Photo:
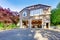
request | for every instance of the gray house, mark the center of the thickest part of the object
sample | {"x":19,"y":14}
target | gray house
{"x":35,"y":16}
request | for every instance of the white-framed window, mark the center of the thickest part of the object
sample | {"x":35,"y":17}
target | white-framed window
{"x":24,"y":14}
{"x":36,"y":12}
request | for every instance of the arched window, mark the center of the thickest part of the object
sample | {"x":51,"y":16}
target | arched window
{"x":24,"y":14}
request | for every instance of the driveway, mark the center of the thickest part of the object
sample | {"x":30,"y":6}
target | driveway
{"x":30,"y":34}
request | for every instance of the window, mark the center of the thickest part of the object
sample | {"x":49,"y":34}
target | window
{"x":36,"y":12}
{"x":24,"y":14}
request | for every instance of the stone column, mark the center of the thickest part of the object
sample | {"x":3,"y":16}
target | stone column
{"x":29,"y":19}
{"x":49,"y":22}
{"x":21,"y":20}
{"x":42,"y":22}
{"x":30,"y":25}
{"x":49,"y":25}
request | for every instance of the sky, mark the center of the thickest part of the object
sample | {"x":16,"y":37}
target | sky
{"x":18,"y":5}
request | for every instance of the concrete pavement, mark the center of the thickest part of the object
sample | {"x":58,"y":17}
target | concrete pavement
{"x":30,"y":34}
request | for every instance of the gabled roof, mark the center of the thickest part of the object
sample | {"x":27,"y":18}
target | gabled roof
{"x":36,"y":7}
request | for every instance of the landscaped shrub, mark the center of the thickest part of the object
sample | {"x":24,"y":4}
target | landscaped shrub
{"x":11,"y":26}
{"x":1,"y":25}
{"x":4,"y":26}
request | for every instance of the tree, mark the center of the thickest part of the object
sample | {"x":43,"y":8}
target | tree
{"x":58,"y":6}
{"x":55,"y":16}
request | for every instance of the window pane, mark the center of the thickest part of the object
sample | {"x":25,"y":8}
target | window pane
{"x":36,"y":12}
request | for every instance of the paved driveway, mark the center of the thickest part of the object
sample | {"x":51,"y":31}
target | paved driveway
{"x":30,"y":34}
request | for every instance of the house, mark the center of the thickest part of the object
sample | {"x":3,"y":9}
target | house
{"x":35,"y":16}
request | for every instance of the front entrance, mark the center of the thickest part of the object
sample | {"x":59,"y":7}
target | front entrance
{"x":36,"y":23}
{"x":47,"y":25}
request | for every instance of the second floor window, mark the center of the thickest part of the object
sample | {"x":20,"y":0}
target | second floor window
{"x":36,"y":12}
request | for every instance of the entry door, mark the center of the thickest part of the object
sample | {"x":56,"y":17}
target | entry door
{"x":47,"y":25}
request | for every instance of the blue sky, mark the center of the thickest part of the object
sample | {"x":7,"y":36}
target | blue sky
{"x":17,"y":5}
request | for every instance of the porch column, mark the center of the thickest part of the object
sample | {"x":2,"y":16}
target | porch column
{"x":49,"y":22}
{"x":42,"y":23}
{"x":21,"y":20}
{"x":21,"y":23}
{"x":49,"y":25}
{"x":30,"y":25}
{"x":29,"y":19}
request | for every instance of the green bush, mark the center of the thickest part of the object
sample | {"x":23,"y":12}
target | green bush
{"x":1,"y":25}
{"x":11,"y":26}
{"x":4,"y":26}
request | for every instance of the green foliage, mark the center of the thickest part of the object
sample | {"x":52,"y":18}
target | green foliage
{"x":55,"y":15}
{"x":4,"y":26}
{"x":58,"y":6}
{"x":11,"y":26}
{"x":1,"y":25}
